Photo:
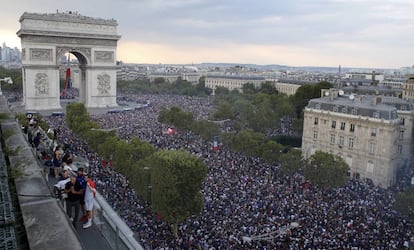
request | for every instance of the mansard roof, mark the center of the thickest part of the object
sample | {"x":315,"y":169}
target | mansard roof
{"x":365,"y":106}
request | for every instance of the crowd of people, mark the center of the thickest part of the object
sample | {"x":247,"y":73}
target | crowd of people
{"x":243,"y":196}
{"x":70,"y":93}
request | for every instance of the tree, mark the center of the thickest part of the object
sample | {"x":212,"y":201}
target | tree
{"x":404,"y":203}
{"x":305,"y":93}
{"x":126,"y":154}
{"x":221,"y":91}
{"x":159,"y":80}
{"x":268,"y":88}
{"x":249,"y":142}
{"x":271,"y":151}
{"x":95,"y":138}
{"x":206,"y":129}
{"x":249,"y":89}
{"x":176,"y":179}
{"x":326,"y":170}
{"x":223,"y":112}
{"x":107,"y":149}
{"x":264,"y":116}
{"x":291,"y":162}
{"x":76,"y":115}
{"x":175,"y":116}
{"x":16,"y":76}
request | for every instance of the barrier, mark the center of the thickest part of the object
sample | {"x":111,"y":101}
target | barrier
{"x":112,"y":227}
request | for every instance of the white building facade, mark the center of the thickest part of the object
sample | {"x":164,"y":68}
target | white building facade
{"x":373,"y":134}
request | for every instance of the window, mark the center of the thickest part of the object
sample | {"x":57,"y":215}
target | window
{"x":316,"y":121}
{"x":354,"y":111}
{"x":333,"y":138}
{"x":344,"y":110}
{"x":372,"y":147}
{"x":400,"y":149}
{"x":352,"y":128}
{"x":401,"y":134}
{"x":318,"y":106}
{"x":342,"y":125}
{"x":351,"y":142}
{"x":341,"y":140}
{"x":370,"y":167}
{"x":376,"y":115}
{"x":403,"y":121}
{"x":374,"y":132}
{"x":335,"y":109}
{"x":333,"y":124}
{"x":315,"y":135}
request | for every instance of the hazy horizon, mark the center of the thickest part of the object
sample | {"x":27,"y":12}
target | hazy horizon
{"x":326,"y":33}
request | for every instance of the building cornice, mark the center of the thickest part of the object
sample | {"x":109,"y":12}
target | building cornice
{"x":67,"y":17}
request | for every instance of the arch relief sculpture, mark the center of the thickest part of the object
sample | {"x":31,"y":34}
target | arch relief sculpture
{"x":104,"y":85}
{"x":41,"y":84}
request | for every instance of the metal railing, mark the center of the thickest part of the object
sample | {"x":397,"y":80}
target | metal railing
{"x":112,"y":227}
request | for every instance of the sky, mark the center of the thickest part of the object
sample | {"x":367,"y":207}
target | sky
{"x":350,"y":33}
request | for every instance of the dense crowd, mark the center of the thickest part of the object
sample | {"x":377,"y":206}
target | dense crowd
{"x":70,"y":93}
{"x":243,"y":196}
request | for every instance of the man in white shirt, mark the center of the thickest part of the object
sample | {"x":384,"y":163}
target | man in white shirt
{"x":90,"y":193}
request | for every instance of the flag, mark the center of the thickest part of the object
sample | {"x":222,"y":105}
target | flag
{"x":67,"y":79}
{"x":215,"y":144}
{"x":170,"y":131}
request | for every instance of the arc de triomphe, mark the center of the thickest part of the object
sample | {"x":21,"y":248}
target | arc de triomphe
{"x":47,"y":37}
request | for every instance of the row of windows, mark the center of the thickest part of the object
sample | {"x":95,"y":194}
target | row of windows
{"x":354,"y":111}
{"x":333,"y":125}
{"x":351,"y":142}
{"x":352,"y":127}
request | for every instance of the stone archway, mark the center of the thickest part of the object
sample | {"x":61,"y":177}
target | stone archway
{"x":46,"y":37}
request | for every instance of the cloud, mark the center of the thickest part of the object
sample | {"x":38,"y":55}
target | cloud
{"x":325,"y":30}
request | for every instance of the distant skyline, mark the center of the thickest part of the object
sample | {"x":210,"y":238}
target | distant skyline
{"x":351,"y":33}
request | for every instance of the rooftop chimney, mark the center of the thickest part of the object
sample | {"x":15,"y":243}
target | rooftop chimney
{"x":376,"y":100}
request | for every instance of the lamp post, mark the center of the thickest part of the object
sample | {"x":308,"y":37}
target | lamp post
{"x":7,"y":80}
{"x":149,"y":187}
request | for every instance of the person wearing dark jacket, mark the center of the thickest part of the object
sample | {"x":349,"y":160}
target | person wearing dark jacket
{"x":74,"y":190}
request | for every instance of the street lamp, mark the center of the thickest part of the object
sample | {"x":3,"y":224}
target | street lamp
{"x":149,"y":186}
{"x":7,"y":80}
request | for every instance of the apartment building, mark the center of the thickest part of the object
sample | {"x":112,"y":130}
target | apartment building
{"x":408,"y":89}
{"x":372,"y":133}
{"x":232,"y":82}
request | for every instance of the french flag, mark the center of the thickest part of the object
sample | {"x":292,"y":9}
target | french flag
{"x":215,"y":143}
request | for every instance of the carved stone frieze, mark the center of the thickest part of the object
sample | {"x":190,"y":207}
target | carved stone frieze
{"x":41,"y":54}
{"x":41,"y":84}
{"x":104,"y":56}
{"x":68,"y":40}
{"x":104,"y":84}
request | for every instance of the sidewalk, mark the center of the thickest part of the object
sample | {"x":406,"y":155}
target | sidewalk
{"x":91,"y":238}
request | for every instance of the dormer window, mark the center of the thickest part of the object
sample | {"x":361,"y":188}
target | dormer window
{"x":354,"y":111}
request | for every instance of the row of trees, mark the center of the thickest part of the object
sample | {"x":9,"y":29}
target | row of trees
{"x":323,"y":169}
{"x":170,"y":180}
{"x":161,"y":86}
{"x":262,"y":109}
